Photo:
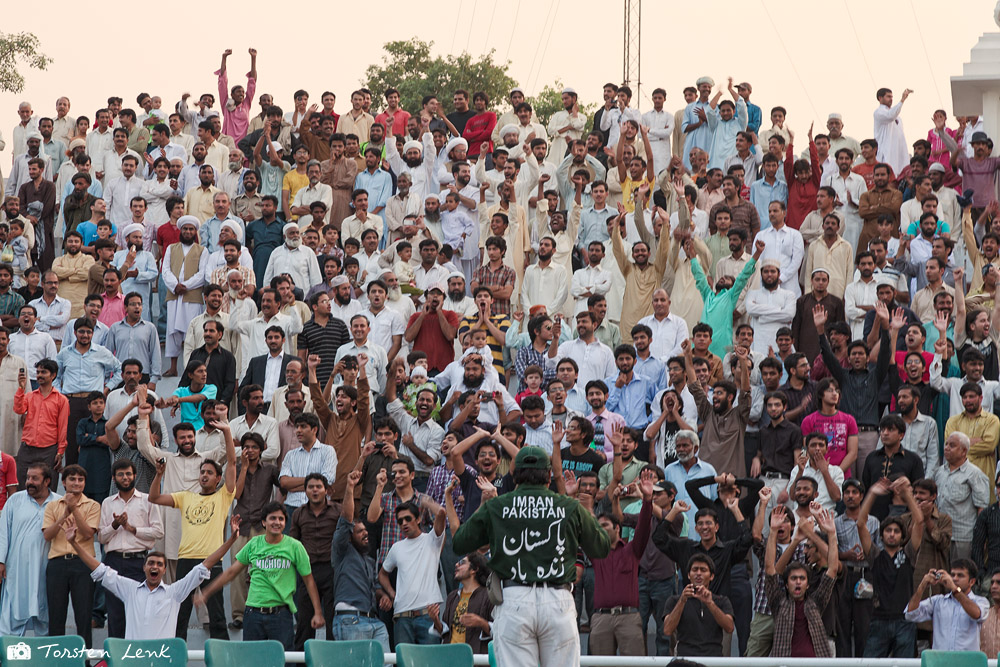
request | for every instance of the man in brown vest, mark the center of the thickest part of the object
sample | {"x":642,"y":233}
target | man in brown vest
{"x":184,"y":276}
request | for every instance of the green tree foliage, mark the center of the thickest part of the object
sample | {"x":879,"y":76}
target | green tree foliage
{"x":409,"y":67}
{"x":16,"y":48}
{"x":549,"y":100}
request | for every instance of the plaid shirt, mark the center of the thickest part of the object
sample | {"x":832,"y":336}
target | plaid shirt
{"x":784,"y":617}
{"x":12,"y":302}
{"x":760,"y":603}
{"x":528,"y":356}
{"x":391,"y":532}
{"x":438,"y":482}
{"x":500,"y":278}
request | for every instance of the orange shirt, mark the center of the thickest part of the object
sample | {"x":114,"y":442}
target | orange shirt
{"x":46,"y":418}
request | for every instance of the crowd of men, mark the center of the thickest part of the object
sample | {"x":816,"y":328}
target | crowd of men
{"x":459,"y":377}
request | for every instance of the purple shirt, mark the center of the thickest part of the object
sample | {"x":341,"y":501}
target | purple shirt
{"x":837,"y":428}
{"x":235,"y":122}
{"x":978,"y":175}
{"x":616,"y":577}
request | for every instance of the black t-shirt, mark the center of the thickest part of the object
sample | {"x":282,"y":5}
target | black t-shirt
{"x":892,"y":579}
{"x":460,"y":118}
{"x":590,"y":460}
{"x":698,"y":634}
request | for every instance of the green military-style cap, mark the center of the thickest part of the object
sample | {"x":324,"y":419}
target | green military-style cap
{"x":532,"y":458}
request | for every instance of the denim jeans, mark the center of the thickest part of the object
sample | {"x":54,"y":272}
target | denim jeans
{"x":652,"y":596}
{"x":415,"y":630}
{"x":278,"y":626}
{"x":895,"y":638}
{"x":583,"y":595}
{"x":348,"y":627}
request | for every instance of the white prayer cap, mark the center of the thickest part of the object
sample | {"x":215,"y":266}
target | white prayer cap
{"x":454,"y":143}
{"x":886,"y":279}
{"x":507,"y":129}
{"x":189,"y":220}
{"x":34,"y":134}
{"x":289,"y":226}
{"x":234,"y":228}
{"x":771,"y":262}
{"x":820,"y":269}
{"x":516,"y":90}
{"x":134,"y":227}
{"x":412,"y":145}
{"x":456,"y":274}
{"x":705,"y":79}
{"x":340,"y":280}
{"x":568,"y":91}
{"x":937,"y":166}
{"x":835,"y":116}
{"x":210,"y":113}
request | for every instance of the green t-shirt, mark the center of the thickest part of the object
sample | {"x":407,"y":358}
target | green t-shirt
{"x":272,"y":570}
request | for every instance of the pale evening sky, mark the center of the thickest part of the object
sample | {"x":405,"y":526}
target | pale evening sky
{"x":818,"y":64}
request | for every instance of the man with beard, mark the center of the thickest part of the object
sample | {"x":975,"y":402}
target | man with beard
{"x":291,"y":258}
{"x":73,"y":270}
{"x":921,"y":430}
{"x":394,"y":298}
{"x":41,"y":192}
{"x":642,"y":278}
{"x":545,"y":283}
{"x":401,"y":210}
{"x":849,"y":187}
{"x":417,"y":161}
{"x":803,"y":330}
{"x":246,"y":205}
{"x":770,"y":307}
{"x":342,"y":306}
{"x":457,"y":299}
{"x":881,"y":199}
{"x":23,"y":554}
{"x":124,"y":516}
{"x":137,"y":266}
{"x":725,"y":418}
{"x":183,"y":275}
{"x":295,"y":375}
{"x":294,"y":405}
{"x":576,"y":160}
{"x":182,"y":470}
{"x":232,"y":255}
{"x":489,"y":392}
{"x":339,"y":172}
{"x":125,"y":397}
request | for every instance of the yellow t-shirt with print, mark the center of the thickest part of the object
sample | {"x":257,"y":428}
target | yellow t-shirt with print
{"x":203,"y":521}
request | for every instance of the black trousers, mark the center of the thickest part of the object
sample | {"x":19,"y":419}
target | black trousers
{"x":322,"y":573}
{"x":65,"y":577}
{"x":78,"y":411}
{"x":130,"y":568}
{"x":28,"y":455}
{"x":855,"y":618}
{"x":216,"y":603}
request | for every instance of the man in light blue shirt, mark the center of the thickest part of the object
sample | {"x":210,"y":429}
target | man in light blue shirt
{"x":697,"y":132}
{"x":375,"y":180}
{"x":767,"y":189}
{"x":956,"y":614}
{"x":311,"y":456}
{"x":726,"y":120}
{"x":85,"y":367}
{"x":137,"y":267}
{"x":210,"y":229}
{"x":629,"y":393}
{"x":136,"y":338}
{"x":594,"y":219}
{"x":689,"y":466}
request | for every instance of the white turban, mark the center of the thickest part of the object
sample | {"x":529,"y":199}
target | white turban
{"x":234,"y":228}
{"x":507,"y":129}
{"x":412,"y":145}
{"x":289,"y":227}
{"x":189,"y":220}
{"x":705,"y":79}
{"x":454,"y":143}
{"x":134,"y":227}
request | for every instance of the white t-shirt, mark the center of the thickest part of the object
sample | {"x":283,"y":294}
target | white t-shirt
{"x":417,"y":560}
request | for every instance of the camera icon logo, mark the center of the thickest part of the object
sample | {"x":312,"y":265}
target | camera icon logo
{"x":19,"y":651}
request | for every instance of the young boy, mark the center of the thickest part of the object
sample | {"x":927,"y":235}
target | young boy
{"x":532,"y":382}
{"x":31,"y":289}
{"x":91,"y":232}
{"x":461,"y":233}
{"x":19,"y":246}
{"x":95,"y":456}
{"x":402,"y":268}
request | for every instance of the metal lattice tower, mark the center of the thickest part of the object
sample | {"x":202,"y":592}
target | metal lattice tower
{"x":631,"y":63}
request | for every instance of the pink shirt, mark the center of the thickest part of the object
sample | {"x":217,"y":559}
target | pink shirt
{"x":235,"y":122}
{"x":399,"y":121}
{"x":113,"y":309}
{"x":838,"y":428}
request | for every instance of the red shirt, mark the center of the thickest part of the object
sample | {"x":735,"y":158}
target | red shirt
{"x":616,"y":577}
{"x":430,"y":339}
{"x":801,"y":196}
{"x":399,"y":121}
{"x":166,"y":235}
{"x":46,"y":418}
{"x":8,"y":475}
{"x":478,"y":129}
{"x":334,"y":115}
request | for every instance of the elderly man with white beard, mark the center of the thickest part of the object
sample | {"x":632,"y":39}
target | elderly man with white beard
{"x":137,"y":266}
{"x":292,"y":258}
{"x":417,"y":161}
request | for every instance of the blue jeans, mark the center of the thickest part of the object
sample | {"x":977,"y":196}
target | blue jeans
{"x":652,"y":597}
{"x":895,"y":638}
{"x":258,"y":626}
{"x":415,"y":630}
{"x":348,"y":627}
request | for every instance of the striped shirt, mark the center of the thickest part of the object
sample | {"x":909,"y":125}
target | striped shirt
{"x":501,"y":322}
{"x":324,"y":341}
